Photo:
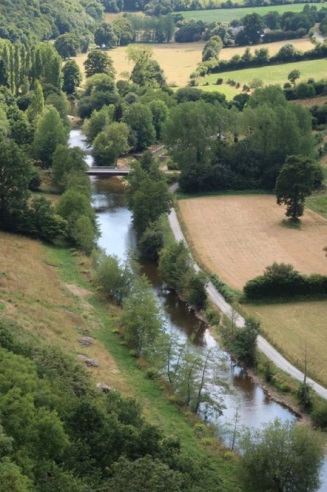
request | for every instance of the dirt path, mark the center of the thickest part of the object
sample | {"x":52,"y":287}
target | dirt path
{"x":239,"y":321}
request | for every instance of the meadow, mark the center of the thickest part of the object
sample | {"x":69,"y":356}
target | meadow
{"x":227,"y":15}
{"x":273,"y":74}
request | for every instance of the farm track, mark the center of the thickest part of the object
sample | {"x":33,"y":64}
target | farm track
{"x":265,"y":347}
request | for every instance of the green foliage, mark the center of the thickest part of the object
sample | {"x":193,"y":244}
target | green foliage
{"x":144,"y":474}
{"x":114,"y":277}
{"x":75,"y":207}
{"x":176,"y":269}
{"x":295,"y":182}
{"x":142,"y":132}
{"x":72,"y":77}
{"x":97,"y":122}
{"x":142,"y":319}
{"x":227,"y":292}
{"x":148,"y":196}
{"x":49,"y":133}
{"x":15,"y":179}
{"x":281,"y":280}
{"x":281,"y":456}
{"x":212,"y":48}
{"x":105,"y":36}
{"x":151,"y":242}
{"x":98,"y":62}
{"x":319,"y":416}
{"x":110,"y":143}
{"x":66,"y":160}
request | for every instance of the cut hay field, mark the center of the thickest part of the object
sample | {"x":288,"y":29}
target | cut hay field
{"x":237,"y":236}
{"x":303,"y":44}
{"x":274,"y":74}
{"x":227,"y":15}
{"x":179,"y":60}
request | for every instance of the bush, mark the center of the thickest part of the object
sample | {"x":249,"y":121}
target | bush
{"x":319,"y":416}
{"x":219,"y":81}
{"x":281,"y":280}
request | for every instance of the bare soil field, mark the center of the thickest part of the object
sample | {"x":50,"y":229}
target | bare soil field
{"x":238,"y":236}
{"x":294,"y":328}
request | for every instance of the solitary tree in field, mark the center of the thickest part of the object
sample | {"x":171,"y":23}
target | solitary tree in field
{"x":295,"y":182}
{"x":293,"y":75}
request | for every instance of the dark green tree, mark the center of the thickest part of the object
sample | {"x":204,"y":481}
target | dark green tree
{"x":67,"y":45}
{"x":295,"y":182}
{"x":105,"y":36}
{"x":72,"y":77}
{"x":14,"y":181}
{"x":49,"y":132}
{"x":142,"y":132}
{"x":98,"y":62}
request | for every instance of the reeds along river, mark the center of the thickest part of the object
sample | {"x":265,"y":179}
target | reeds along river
{"x":117,"y":237}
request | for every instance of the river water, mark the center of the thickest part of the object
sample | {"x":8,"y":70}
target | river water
{"x":117,"y":237}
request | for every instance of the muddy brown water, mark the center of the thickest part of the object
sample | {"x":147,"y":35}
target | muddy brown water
{"x":255,"y":408}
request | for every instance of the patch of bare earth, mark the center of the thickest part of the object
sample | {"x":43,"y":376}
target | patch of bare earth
{"x":238,"y":236}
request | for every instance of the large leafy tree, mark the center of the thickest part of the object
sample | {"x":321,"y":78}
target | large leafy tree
{"x":98,"y":62}
{"x":105,"y":36}
{"x":295,"y":182}
{"x":49,"y":133}
{"x":281,"y":457}
{"x":72,"y":77}
{"x":142,"y":132}
{"x":110,"y":144}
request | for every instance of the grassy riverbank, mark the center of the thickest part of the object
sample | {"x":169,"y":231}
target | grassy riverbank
{"x":48,"y":291}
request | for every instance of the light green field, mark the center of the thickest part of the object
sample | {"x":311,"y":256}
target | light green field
{"x":227,"y":15}
{"x":275,"y":74}
{"x":228,"y":90}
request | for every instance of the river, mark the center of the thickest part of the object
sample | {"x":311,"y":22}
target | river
{"x":117,"y":237}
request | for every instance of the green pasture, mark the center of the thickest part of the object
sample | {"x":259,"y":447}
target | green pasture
{"x":274,"y":74}
{"x":227,"y":15}
{"x":228,"y":90}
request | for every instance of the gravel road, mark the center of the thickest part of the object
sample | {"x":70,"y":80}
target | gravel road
{"x":239,"y":321}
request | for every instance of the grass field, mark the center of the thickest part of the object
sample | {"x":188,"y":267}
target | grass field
{"x":275,"y":74}
{"x":237,"y":236}
{"x":295,"y":327}
{"x":227,"y":15}
{"x":225,"y":89}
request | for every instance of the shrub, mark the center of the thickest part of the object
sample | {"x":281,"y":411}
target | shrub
{"x":281,"y":280}
{"x":319,"y":416}
{"x":219,"y":81}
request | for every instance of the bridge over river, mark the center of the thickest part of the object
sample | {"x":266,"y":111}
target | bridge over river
{"x":108,"y":171}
